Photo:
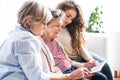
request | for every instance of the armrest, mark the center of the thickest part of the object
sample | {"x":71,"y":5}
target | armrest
{"x":96,"y":42}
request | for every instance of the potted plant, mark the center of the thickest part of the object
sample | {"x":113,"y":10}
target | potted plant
{"x":95,"y":39}
{"x":95,"y":23}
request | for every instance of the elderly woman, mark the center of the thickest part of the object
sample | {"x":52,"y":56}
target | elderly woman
{"x":62,"y":61}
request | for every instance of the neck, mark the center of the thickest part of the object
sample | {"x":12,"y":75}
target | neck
{"x":46,"y":37}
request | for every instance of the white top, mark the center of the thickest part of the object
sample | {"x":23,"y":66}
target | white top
{"x":64,"y":39}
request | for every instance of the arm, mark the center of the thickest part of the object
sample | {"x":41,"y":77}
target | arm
{"x":85,"y":55}
{"x":90,"y":61}
{"x":78,"y":64}
{"x":83,"y":73}
{"x":27,"y":52}
{"x":61,"y":77}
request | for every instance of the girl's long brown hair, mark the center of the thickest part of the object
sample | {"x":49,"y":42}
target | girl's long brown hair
{"x":76,"y":27}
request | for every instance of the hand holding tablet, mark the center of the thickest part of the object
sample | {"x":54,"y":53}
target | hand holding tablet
{"x":97,"y":68}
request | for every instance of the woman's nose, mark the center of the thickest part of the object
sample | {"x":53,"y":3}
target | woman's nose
{"x":68,"y":21}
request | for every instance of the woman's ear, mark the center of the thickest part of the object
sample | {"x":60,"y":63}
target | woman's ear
{"x":29,"y":20}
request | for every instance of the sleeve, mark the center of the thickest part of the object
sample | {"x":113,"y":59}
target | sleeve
{"x":86,"y":55}
{"x":78,"y":64}
{"x":29,"y":57}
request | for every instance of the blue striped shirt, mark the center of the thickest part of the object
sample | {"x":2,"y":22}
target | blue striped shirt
{"x":20,"y":57}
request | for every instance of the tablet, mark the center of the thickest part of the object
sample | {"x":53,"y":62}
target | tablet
{"x":97,"y":68}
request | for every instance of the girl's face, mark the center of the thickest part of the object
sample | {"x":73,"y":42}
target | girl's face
{"x":69,"y":16}
{"x":53,"y":28}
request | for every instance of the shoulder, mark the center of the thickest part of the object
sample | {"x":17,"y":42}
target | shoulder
{"x":64,"y":36}
{"x":20,"y":35}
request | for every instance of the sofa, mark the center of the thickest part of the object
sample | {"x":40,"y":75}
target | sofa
{"x":97,"y":43}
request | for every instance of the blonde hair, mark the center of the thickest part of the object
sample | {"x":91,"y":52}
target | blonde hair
{"x":32,"y":11}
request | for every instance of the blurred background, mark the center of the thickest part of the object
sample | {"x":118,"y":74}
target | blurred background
{"x":104,"y":44}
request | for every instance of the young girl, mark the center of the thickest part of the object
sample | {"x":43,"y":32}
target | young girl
{"x":72,"y":37}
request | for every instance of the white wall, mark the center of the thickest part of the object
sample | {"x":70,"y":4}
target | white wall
{"x":9,"y":8}
{"x":113,"y":49}
{"x":111,"y":15}
{"x":97,"y":43}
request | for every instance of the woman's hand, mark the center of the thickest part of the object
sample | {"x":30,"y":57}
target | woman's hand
{"x":91,"y":63}
{"x":80,"y":73}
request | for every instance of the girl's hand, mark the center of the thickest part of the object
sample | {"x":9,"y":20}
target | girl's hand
{"x":91,"y":63}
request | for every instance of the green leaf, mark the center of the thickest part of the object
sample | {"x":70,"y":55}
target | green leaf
{"x":95,"y":19}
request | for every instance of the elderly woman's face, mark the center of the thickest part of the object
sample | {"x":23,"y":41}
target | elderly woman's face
{"x":53,"y":28}
{"x":69,"y":16}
